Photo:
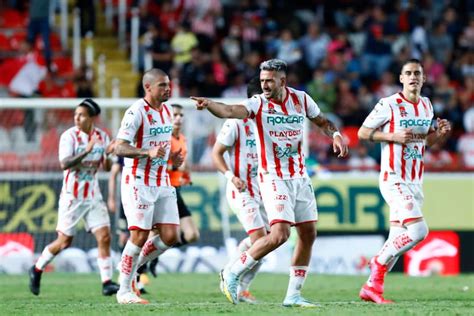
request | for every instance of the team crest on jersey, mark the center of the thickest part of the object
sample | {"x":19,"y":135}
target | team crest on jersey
{"x":271,"y":108}
{"x":280,"y":207}
{"x":298,"y":107}
{"x":248,"y":131}
{"x":151,"y":119}
{"x":403,"y":112}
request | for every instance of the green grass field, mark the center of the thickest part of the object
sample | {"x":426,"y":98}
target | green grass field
{"x":198,"y":294}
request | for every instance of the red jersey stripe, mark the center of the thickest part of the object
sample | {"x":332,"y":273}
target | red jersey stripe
{"x":391,"y":130}
{"x":147,"y":171}
{"x":86,"y":189}
{"x":403,"y":162}
{"x":277,"y":161}
{"x":291,"y":166}
{"x":413,"y":166}
{"x":300,"y":159}
{"x":76,"y":188}
{"x":425,"y":107}
{"x":249,"y":180}
{"x":158,"y":175}
{"x":420,"y":172}
{"x":237,"y":155}
{"x":258,"y":121}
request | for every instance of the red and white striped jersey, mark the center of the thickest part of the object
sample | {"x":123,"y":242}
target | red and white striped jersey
{"x":393,"y":114}
{"x":81,"y":180}
{"x":239,"y":136}
{"x":279,"y":129}
{"x":145,"y":127}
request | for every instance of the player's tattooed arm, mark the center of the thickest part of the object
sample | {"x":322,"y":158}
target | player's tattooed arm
{"x":124,"y":149}
{"x":325,"y":125}
{"x":73,"y":161}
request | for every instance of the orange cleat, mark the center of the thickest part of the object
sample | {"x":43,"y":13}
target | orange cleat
{"x":377,"y":275}
{"x":369,"y":294}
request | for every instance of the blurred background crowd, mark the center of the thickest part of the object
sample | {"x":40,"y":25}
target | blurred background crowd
{"x":346,"y":54}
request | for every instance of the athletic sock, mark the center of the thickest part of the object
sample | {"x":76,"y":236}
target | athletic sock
{"x":243,"y":246}
{"x":128,"y":266}
{"x":105,"y":268}
{"x":45,"y":258}
{"x":248,"y":277}
{"x":245,"y":263}
{"x":151,"y":250}
{"x":297,"y":278}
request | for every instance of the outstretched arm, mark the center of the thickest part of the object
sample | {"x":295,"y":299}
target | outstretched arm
{"x":331,"y":130}
{"x":221,"y":110}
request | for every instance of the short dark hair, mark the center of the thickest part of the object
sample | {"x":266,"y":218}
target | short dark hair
{"x":176,"y":105}
{"x":411,"y":61}
{"x":254,"y":87}
{"x":92,"y":107}
{"x":274,"y":65}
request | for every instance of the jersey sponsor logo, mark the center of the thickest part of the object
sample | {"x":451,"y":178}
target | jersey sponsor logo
{"x":286,"y":152}
{"x":281,"y":197}
{"x":413,"y":122}
{"x":290,"y":119}
{"x":161,"y":130}
{"x":288,"y":133}
{"x":158,"y":161}
{"x":411,"y":153}
{"x":84,"y":176}
{"x":95,"y":150}
{"x":250,"y":143}
{"x":251,"y":156}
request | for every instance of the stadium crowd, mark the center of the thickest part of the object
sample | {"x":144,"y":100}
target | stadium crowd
{"x":345,"y":54}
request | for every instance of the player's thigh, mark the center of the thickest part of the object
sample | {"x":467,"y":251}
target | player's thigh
{"x":138,"y":203}
{"x":278,"y":202}
{"x":166,"y":207}
{"x":70,"y":212}
{"x":97,"y":216}
{"x":402,"y":202}
{"x":305,"y":202}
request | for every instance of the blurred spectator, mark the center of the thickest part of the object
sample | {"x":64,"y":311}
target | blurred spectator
{"x":238,"y":87}
{"x":287,"y":48}
{"x":432,"y":68}
{"x":39,"y":24}
{"x":466,"y":40}
{"x":360,"y":159}
{"x":466,"y":141}
{"x":314,"y":45}
{"x":160,"y":49}
{"x":182,"y":44}
{"x":419,"y":39}
{"x":87,"y":15}
{"x":441,"y":44}
{"x":437,"y":158}
{"x":387,"y":86}
{"x":322,"y":90}
{"x":232,"y":44}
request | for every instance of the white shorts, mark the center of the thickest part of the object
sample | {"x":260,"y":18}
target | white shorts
{"x":249,"y":210}
{"x":291,"y":201}
{"x":405,"y":200}
{"x":71,"y":210}
{"x":147,"y":206}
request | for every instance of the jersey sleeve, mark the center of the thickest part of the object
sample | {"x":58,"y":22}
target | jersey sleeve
{"x":228,"y":133}
{"x":66,"y":146}
{"x":252,"y":105}
{"x":380,"y":115}
{"x":130,"y":124}
{"x":312,"y":108}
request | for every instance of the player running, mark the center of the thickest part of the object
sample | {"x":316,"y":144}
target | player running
{"x":402,"y":123}
{"x":82,"y":149}
{"x":286,"y":189}
{"x":237,"y":138}
{"x":148,"y":198}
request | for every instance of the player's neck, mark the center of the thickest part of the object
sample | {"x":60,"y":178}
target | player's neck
{"x":87,"y":130}
{"x":280,"y":96}
{"x":412,"y":96}
{"x":156,"y":105}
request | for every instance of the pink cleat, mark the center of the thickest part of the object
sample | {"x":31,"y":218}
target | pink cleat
{"x":377,"y":274}
{"x":369,"y":294}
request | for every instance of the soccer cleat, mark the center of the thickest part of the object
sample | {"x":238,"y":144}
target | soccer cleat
{"x":298,"y":301}
{"x":230,"y":283}
{"x":110,"y":288}
{"x":369,"y":294}
{"x":135,"y":288}
{"x":130,"y":298}
{"x":35,"y":280}
{"x":247,"y":297}
{"x":221,"y":281}
{"x":377,"y":275}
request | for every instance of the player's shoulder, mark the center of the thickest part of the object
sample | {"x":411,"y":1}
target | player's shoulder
{"x":101,"y":131}
{"x":137,"y":106}
{"x":70,"y":131}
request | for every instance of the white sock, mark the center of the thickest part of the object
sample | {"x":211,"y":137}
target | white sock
{"x":245,"y":263}
{"x":128,"y":266}
{"x":297,"y":278}
{"x":244,"y":245}
{"x":45,"y":258}
{"x":248,"y":277}
{"x":403,"y":242}
{"x":105,"y":268}
{"x":151,"y":250}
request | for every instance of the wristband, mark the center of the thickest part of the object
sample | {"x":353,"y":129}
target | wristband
{"x":229,"y":175}
{"x":336,"y":134}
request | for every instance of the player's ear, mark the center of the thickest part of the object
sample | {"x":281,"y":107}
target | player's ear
{"x":400,"y":79}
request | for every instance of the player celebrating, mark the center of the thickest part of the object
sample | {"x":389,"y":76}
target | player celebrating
{"x":82,"y":149}
{"x":402,"y":123}
{"x":148,"y":198}
{"x":286,"y":189}
{"x":237,"y":137}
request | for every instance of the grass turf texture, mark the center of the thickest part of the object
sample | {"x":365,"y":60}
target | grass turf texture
{"x":198,"y":294}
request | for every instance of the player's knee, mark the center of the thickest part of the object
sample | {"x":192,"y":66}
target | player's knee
{"x":104,"y":239}
{"x":170,"y":239}
{"x":418,"y":231}
{"x":278,"y":238}
{"x":192,"y":236}
{"x":66,"y":243}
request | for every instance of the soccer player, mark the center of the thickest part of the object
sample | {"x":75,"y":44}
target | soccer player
{"x":402,"y":123}
{"x":237,"y":138}
{"x":148,"y":198}
{"x":286,"y":189}
{"x":82,"y":149}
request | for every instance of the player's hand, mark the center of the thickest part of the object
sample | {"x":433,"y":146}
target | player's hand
{"x":403,"y":137}
{"x":111,"y":147}
{"x":94,"y":140}
{"x":201,"y":103}
{"x":239,"y":184}
{"x":177,"y":158}
{"x":157,"y":152}
{"x":111,"y":205}
{"x":444,"y":127}
{"x":339,"y":146}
